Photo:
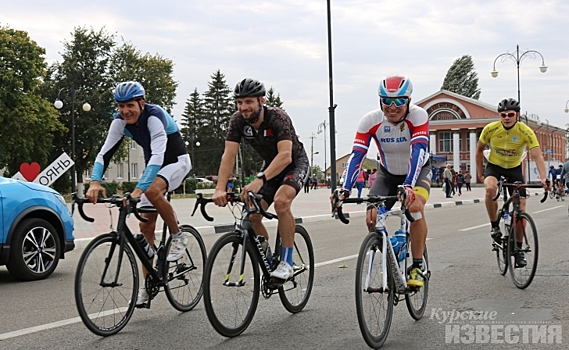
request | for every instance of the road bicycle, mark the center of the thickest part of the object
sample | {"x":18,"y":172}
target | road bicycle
{"x":232,"y":282}
{"x":520,"y":235}
{"x":381,"y":279}
{"x":107,"y":276}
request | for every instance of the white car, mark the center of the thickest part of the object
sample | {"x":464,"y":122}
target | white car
{"x":204,"y":180}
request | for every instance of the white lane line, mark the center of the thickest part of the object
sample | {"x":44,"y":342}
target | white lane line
{"x":474,"y":227}
{"x":541,"y":211}
{"x":56,"y":324}
{"x":335,"y":260}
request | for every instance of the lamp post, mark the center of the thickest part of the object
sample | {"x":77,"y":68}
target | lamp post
{"x":518,"y":59}
{"x":192,"y":154}
{"x":566,"y":107}
{"x":332,"y":107}
{"x":58,"y":104}
{"x":322,"y":128}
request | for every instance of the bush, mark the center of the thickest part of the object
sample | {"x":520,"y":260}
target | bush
{"x":128,"y":186}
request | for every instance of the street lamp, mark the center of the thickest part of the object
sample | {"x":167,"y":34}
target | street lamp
{"x":58,"y":104}
{"x":566,"y":108}
{"x":518,"y":59}
{"x":191,"y":144}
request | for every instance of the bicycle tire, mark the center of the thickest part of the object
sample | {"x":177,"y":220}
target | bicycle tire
{"x":106,"y":310}
{"x":184,"y":289}
{"x":416,"y":299}
{"x":551,"y":193}
{"x":294,"y":294}
{"x":374,"y":324}
{"x":230,"y":309}
{"x":502,"y":251}
{"x":523,"y":276}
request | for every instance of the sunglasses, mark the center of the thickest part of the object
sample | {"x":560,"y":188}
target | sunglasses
{"x":398,"y":101}
{"x":509,"y":114}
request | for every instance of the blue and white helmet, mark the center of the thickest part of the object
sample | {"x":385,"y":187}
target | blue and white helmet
{"x":128,"y":90}
{"x":395,"y":86}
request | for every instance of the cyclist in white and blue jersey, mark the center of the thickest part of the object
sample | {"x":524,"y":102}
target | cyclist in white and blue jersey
{"x":166,"y":157}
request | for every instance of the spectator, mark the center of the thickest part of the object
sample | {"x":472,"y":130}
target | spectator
{"x":467,"y":178}
{"x":448,"y":178}
{"x":459,"y":182}
{"x":314,"y":181}
{"x":360,"y":182}
{"x":453,"y":182}
{"x":307,"y":184}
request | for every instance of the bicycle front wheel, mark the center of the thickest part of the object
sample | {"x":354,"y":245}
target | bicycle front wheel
{"x":296,"y":291}
{"x":524,"y":228}
{"x":416,"y":298}
{"x":374,"y":305}
{"x":231,"y":298}
{"x":185,"y":276}
{"x":106,"y":285}
{"x":502,"y":250}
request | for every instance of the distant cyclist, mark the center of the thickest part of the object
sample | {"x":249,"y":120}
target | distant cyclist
{"x":166,"y":157}
{"x":400,"y":130}
{"x":507,"y":139}
{"x":270,"y":132}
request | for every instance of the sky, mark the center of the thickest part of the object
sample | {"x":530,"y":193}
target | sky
{"x":285,"y":45}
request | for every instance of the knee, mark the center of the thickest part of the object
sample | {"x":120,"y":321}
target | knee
{"x":282,"y":204}
{"x":418,"y":206}
{"x":153,"y":194}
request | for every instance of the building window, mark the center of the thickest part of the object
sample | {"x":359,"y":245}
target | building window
{"x":120,"y":171}
{"x":134,"y":170}
{"x":132,"y":144}
{"x":445,"y":141}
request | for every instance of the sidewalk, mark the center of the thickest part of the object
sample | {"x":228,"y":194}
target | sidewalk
{"x":307,"y":207}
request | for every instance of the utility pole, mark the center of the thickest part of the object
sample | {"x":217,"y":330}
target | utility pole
{"x":312,"y":153}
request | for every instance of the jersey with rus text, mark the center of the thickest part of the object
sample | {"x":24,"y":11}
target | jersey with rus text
{"x":402,"y":147}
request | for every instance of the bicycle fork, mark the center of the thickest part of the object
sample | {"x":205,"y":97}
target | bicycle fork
{"x":397,"y":271}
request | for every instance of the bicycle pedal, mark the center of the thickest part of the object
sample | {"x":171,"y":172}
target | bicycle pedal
{"x":143,"y":306}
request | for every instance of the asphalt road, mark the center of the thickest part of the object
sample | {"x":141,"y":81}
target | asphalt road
{"x":42,"y":314}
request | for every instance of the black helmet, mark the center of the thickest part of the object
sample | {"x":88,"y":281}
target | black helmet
{"x":249,"y":88}
{"x":508,"y":104}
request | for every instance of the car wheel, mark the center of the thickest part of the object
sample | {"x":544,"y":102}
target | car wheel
{"x":34,"y":250}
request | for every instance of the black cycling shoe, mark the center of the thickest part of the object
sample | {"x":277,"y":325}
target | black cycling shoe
{"x":521,"y":259}
{"x":496,"y":235}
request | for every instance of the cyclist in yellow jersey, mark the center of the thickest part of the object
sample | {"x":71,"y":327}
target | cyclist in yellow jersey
{"x":507,"y":139}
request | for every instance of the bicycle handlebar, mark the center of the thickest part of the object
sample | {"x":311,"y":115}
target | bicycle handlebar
{"x":115,"y":200}
{"x":373,"y":199}
{"x":201,"y":201}
{"x":516,"y":185}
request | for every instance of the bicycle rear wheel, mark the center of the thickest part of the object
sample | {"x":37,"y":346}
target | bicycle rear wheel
{"x":374,"y":306}
{"x":231,"y":299}
{"x":523,"y":275}
{"x":296,"y":291}
{"x":416,"y":298}
{"x":104,"y":306}
{"x":185,"y":276}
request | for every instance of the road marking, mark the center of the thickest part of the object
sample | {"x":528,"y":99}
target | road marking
{"x":541,"y":211}
{"x":56,"y":324}
{"x":474,"y":227}
{"x":329,"y":262}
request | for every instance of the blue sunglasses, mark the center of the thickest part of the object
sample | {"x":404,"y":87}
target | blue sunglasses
{"x":398,"y":101}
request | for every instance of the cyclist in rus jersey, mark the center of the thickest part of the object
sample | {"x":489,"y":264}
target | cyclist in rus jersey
{"x":400,"y":130}
{"x":507,"y":139}
{"x":270,"y":132}
{"x":166,"y":157}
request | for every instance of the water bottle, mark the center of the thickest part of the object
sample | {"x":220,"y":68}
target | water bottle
{"x":401,"y":238}
{"x":395,"y":244}
{"x":144,"y":245}
{"x":507,"y":218}
{"x":381,"y":217}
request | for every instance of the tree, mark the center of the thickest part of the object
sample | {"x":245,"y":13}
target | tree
{"x":272,"y":100}
{"x":218,"y":107}
{"x":84,"y":72}
{"x":192,"y":118}
{"x":462,"y":79}
{"x":27,"y":121}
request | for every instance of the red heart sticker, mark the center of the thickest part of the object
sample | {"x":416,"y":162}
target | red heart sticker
{"x":30,"y":171}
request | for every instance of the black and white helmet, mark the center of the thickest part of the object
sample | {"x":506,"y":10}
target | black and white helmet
{"x":249,"y":88}
{"x":508,"y":104}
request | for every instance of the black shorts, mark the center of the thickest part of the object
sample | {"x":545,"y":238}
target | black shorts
{"x":512,"y":175}
{"x":294,"y":175}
